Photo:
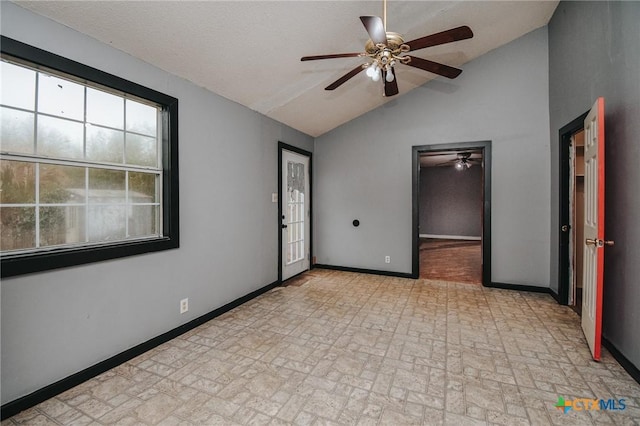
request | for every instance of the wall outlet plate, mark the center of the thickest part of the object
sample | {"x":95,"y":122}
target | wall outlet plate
{"x":184,"y":305}
{"x":387,"y":259}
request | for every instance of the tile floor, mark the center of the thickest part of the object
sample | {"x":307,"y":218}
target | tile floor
{"x":345,"y":348}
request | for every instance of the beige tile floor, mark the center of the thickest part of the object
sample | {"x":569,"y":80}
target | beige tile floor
{"x":345,"y":348}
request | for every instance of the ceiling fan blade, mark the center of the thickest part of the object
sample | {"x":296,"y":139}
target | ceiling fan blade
{"x":331,"y":56}
{"x":454,"y":34}
{"x":344,"y":78}
{"x":434,"y":67}
{"x":375,"y":28}
{"x":390,"y":88}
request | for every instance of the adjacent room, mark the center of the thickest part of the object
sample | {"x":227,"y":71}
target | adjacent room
{"x":334,"y":212}
{"x":451,"y":201}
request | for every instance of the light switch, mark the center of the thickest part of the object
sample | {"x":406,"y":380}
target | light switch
{"x":274,"y":197}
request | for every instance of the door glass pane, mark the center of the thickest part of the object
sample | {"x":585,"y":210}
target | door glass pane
{"x":18,"y":86}
{"x":16,"y":134}
{"x":294,"y":232}
{"x":61,"y":184}
{"x":62,"y":225}
{"x":60,"y":138}
{"x":60,"y":97}
{"x":295,"y":208}
{"x":105,"y":144}
{"x":17,"y":182}
{"x":18,"y":230}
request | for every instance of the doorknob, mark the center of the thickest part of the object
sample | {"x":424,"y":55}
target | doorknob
{"x":598,"y":243}
{"x":565,"y":228}
{"x":284,"y":226}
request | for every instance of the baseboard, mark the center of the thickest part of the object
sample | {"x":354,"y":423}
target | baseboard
{"x":520,"y":287}
{"x":556,"y":296}
{"x":450,"y":237}
{"x":364,"y":271}
{"x":629,"y":367}
{"x":14,"y":407}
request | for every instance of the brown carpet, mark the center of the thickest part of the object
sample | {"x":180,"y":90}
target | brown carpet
{"x":451,"y":260}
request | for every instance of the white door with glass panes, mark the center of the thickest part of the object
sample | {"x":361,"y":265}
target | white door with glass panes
{"x":295,"y":223}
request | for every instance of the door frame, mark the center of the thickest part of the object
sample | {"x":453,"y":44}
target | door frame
{"x":286,"y":147}
{"x":565,"y":134}
{"x":485,"y":147}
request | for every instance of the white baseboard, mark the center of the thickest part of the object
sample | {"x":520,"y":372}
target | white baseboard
{"x":450,"y":237}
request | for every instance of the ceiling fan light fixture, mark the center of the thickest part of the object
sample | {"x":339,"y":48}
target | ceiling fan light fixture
{"x":385,"y":48}
{"x":389,"y":76}
{"x":370,"y":70}
{"x":462,"y":164}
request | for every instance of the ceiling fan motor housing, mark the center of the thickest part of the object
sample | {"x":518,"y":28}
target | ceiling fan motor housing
{"x":394,"y":41}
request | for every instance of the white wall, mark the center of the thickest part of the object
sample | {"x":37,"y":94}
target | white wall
{"x":363,"y":168}
{"x":57,"y":323}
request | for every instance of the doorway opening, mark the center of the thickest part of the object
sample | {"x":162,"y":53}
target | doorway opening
{"x":576,"y":220}
{"x":571,"y":232}
{"x":294,"y":211}
{"x":452,"y":212}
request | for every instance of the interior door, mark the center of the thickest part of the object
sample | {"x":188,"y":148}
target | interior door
{"x":295,"y":214}
{"x":593,"y":227}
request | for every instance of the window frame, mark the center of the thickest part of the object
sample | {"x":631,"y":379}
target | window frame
{"x":61,"y":257}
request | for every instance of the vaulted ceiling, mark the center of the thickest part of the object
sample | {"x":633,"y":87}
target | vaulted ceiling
{"x":249,"y":51}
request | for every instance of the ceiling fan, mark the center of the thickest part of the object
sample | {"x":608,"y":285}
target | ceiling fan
{"x":462,"y":161}
{"x":385,"y":49}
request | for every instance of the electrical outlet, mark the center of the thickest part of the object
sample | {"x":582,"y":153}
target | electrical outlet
{"x":387,"y":259}
{"x":184,"y":305}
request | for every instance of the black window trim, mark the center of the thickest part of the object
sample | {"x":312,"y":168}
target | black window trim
{"x":20,"y":264}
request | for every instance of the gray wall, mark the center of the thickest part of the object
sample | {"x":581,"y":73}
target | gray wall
{"x":57,"y":323}
{"x":451,"y":201}
{"x":363,"y":168}
{"x":594,"y":50}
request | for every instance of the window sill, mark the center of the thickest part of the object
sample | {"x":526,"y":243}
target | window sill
{"x":26,"y":263}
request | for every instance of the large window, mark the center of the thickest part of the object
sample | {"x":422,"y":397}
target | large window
{"x":88,"y":164}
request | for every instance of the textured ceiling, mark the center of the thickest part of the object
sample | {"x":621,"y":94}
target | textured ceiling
{"x":249,"y":51}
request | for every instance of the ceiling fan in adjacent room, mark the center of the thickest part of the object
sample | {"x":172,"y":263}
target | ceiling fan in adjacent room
{"x":462,"y":161}
{"x":386,"y":49}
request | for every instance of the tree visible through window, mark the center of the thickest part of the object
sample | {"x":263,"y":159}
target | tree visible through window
{"x":81,"y":164}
